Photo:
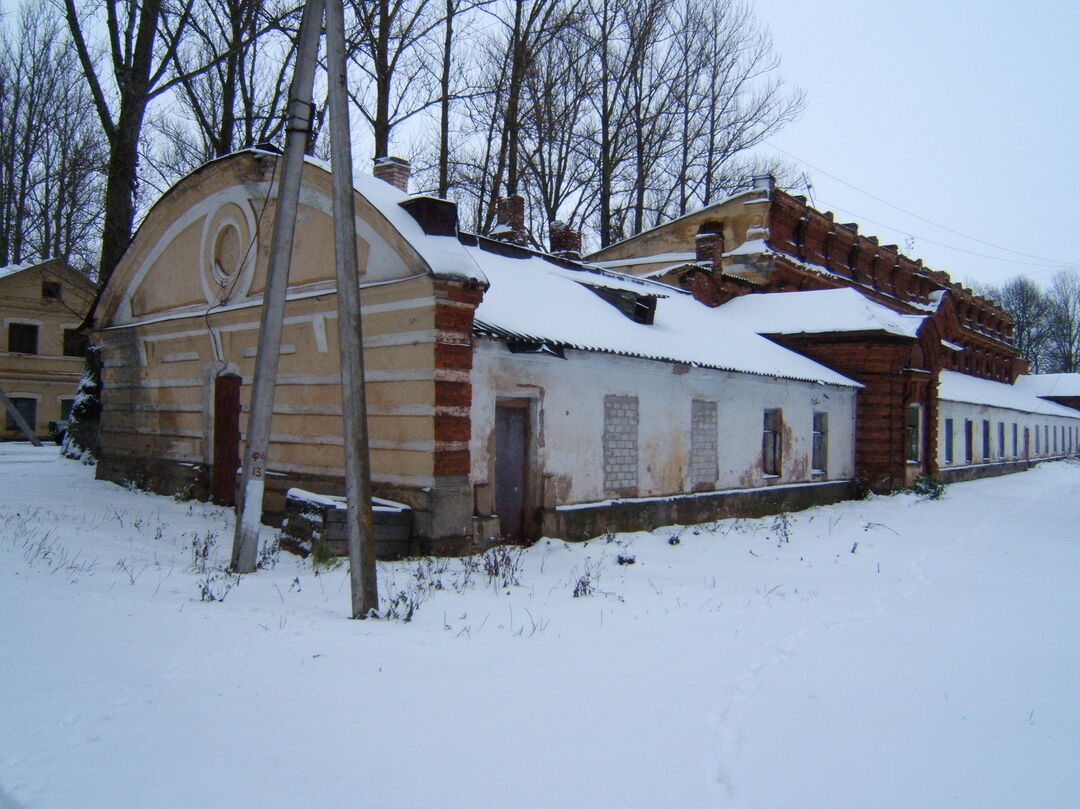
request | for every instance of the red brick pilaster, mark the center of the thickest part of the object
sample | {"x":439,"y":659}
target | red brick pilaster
{"x":455,"y":304}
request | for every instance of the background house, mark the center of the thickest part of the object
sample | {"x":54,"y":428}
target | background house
{"x":42,"y":306}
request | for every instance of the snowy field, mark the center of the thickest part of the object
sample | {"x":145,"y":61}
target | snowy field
{"x":886,"y":653}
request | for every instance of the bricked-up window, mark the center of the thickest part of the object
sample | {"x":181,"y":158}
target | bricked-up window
{"x":948,"y":440}
{"x":914,"y":433}
{"x":620,"y":443}
{"x":969,"y":440}
{"x":1015,"y":441}
{"x":27,"y":409}
{"x":772,"y":450}
{"x":986,"y":440}
{"x":50,"y":290}
{"x":819,"y":455}
{"x":22,"y":338}
{"x":75,"y":344}
{"x":703,"y":460}
{"x":1001,"y":439}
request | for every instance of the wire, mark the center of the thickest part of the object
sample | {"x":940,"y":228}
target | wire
{"x":1043,"y":266}
{"x":1055,"y":264}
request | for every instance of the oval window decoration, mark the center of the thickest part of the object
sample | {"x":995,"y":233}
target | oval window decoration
{"x":227,"y":254}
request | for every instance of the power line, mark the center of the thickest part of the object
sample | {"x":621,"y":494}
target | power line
{"x":1044,"y":267}
{"x":1054,"y":263}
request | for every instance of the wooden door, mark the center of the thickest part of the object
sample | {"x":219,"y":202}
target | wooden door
{"x":511,"y":458}
{"x":226,"y":439}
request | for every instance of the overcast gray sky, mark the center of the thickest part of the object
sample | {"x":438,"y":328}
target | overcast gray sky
{"x":963,"y":113}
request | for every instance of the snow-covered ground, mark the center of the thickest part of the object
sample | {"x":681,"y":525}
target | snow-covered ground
{"x":885,"y":653}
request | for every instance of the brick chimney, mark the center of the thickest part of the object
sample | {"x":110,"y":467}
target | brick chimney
{"x":511,"y":220}
{"x":393,"y":170}
{"x":564,"y":240}
{"x":709,"y":245}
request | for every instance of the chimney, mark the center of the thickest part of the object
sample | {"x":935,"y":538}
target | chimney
{"x":709,"y":245}
{"x":393,"y":170}
{"x":564,"y":240}
{"x":766,"y":182}
{"x":511,"y":220}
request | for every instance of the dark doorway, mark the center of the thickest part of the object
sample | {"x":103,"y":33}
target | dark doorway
{"x":511,"y":458}
{"x":226,"y":439}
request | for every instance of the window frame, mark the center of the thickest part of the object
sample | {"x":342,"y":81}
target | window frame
{"x":819,"y":443}
{"x":15,"y":344}
{"x":772,"y":448}
{"x":913,"y":429}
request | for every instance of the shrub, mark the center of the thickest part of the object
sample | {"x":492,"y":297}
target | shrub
{"x":927,"y":488}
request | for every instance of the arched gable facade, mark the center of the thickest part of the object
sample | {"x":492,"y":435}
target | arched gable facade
{"x":178,"y":326}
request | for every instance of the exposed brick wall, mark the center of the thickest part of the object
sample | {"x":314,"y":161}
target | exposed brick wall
{"x":621,"y":445}
{"x":891,"y":278}
{"x":455,"y":304}
{"x":882,"y":365}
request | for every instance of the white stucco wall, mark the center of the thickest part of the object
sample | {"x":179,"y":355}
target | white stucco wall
{"x":567,"y":420}
{"x":1068,"y":434}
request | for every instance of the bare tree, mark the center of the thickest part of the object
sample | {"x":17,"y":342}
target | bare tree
{"x":388,"y":43}
{"x":249,"y":47}
{"x":1029,"y":309}
{"x":133,"y":67}
{"x":557,"y":133}
{"x":50,"y":157}
{"x":1063,"y":323}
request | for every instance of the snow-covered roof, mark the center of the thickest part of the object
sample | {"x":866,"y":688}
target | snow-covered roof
{"x":957,"y":387}
{"x":12,"y":269}
{"x":445,"y":255}
{"x":538,"y":300}
{"x":1050,"y":384}
{"x":674,"y":259}
{"x":814,"y":312}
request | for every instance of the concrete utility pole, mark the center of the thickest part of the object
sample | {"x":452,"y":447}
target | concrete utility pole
{"x":297,"y":127}
{"x":365,"y":596}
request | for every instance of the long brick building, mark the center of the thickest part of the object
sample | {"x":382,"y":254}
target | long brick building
{"x":767,"y":241}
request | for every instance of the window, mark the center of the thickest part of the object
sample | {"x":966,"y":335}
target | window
{"x":27,"y":409}
{"x":914,"y":433}
{"x":65,"y":409}
{"x":948,"y":440}
{"x":820,"y":444}
{"x":772,"y":451}
{"x":969,"y":440}
{"x":620,"y":443}
{"x":75,"y":344}
{"x":1015,"y":442}
{"x":50,"y":290}
{"x":986,"y":440}
{"x":22,"y":338}
{"x":1037,"y":443}
{"x":1001,"y":439}
{"x":1046,"y":438}
{"x":703,"y":460}
{"x":1055,"y":439}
